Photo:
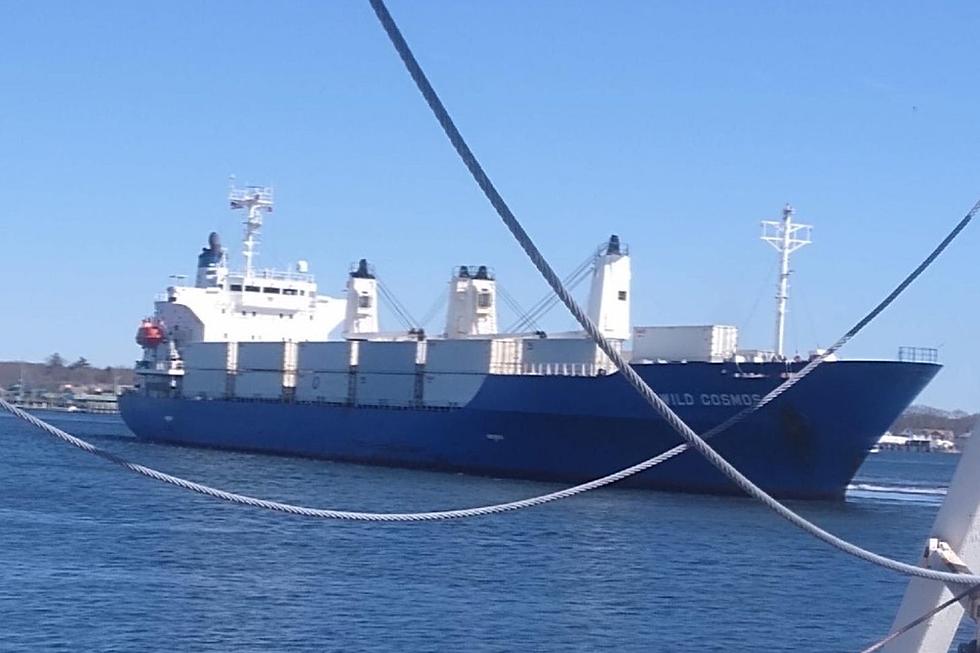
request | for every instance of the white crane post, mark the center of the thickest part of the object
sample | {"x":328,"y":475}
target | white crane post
{"x":958,"y":526}
{"x":609,"y":297}
{"x":362,"y":300}
{"x":787,"y":237}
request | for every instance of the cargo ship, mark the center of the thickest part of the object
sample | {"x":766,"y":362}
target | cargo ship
{"x":259,"y":360}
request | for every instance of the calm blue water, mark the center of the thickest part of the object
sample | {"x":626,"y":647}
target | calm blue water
{"x":95,"y":558}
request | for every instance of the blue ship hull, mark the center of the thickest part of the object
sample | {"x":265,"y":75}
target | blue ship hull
{"x":808,"y":444}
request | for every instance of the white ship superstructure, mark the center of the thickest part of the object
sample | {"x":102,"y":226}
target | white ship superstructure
{"x":206,"y":330}
{"x":267,"y":305}
{"x":203,"y":339}
{"x":252,"y":305}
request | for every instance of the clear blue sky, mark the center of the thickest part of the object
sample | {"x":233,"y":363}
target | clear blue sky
{"x":678,"y":126}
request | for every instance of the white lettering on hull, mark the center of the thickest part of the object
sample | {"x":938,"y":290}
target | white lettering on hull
{"x":681,"y":399}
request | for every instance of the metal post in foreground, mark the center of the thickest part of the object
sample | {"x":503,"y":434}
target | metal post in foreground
{"x":954,"y":544}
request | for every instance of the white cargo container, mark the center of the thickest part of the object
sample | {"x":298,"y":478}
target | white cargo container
{"x":443,"y":389}
{"x":326,"y":356}
{"x":385,"y":389}
{"x":560,"y":350}
{"x":323,"y":386}
{"x":209,"y":355}
{"x":754,"y":356}
{"x":477,"y":356}
{"x":712,"y":342}
{"x":455,"y":356}
{"x":507,"y":356}
{"x":387,"y":357}
{"x":259,"y":385}
{"x":264,"y":356}
{"x":574,"y":356}
{"x":204,"y":384}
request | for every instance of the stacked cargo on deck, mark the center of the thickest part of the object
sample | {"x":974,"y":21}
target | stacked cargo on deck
{"x":265,"y":369}
{"x":206,"y":369}
{"x":713,"y":343}
{"x":325,"y":371}
{"x":407,"y":372}
{"x":386,"y":373}
{"x":569,"y":356}
{"x":455,"y":369}
{"x":412,"y":372}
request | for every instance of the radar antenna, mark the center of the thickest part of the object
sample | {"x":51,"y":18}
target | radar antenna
{"x":255,"y":200}
{"x":787,"y":237}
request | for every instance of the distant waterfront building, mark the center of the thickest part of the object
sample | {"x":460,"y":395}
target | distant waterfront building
{"x":924,"y":440}
{"x":96,"y":403}
{"x":891,"y":441}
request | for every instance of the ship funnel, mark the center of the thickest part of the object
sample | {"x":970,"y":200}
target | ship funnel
{"x":362,"y":301}
{"x":472,"y":303}
{"x":362,"y":271}
{"x":212,"y":268}
{"x":613,"y":246}
{"x":609,"y":297}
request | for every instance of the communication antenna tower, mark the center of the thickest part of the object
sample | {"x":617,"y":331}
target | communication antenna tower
{"x":255,"y":200}
{"x":787,"y":237}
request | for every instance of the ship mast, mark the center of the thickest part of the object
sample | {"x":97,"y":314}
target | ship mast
{"x":786,"y":237}
{"x":255,"y":200}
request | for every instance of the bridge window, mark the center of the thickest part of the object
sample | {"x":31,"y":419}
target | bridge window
{"x":251,"y":289}
{"x":236,"y":287}
{"x":271,"y":291}
{"x":289,"y":291}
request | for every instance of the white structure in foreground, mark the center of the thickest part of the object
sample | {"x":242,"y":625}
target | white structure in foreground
{"x":954,"y":545}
